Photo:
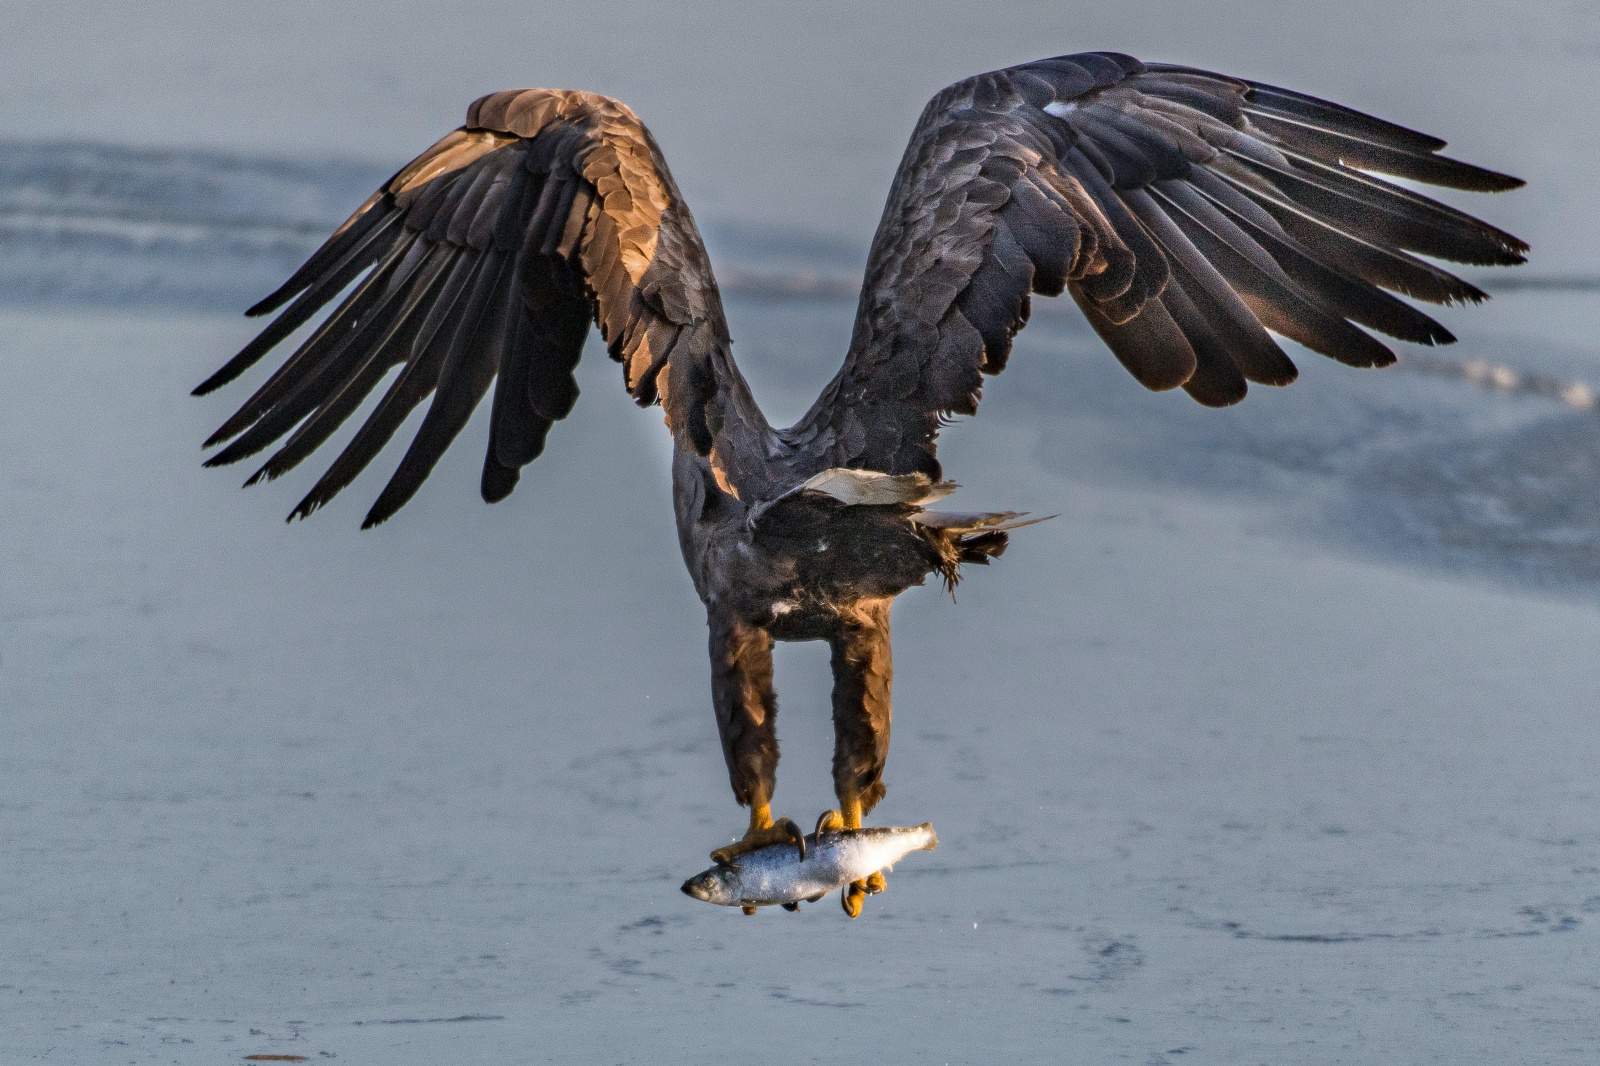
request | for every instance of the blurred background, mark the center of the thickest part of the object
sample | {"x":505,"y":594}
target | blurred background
{"x":1277,"y":746}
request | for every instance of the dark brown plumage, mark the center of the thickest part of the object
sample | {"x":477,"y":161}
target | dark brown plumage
{"x":1191,"y":216}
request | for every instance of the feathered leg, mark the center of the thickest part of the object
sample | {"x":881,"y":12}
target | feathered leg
{"x":747,"y":712}
{"x":863,"y":675}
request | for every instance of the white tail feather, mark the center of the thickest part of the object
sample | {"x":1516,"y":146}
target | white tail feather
{"x":873,"y":487}
{"x":972,"y":523}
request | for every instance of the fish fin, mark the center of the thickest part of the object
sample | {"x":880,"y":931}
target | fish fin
{"x":813,"y":899}
{"x":791,"y":907}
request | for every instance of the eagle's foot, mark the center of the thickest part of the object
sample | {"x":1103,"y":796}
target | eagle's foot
{"x":762,"y":832}
{"x":855,"y":894}
{"x":829,"y":822}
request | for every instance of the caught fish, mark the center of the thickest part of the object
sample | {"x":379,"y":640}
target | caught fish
{"x":782,"y":874}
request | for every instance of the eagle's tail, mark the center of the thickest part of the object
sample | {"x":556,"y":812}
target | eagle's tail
{"x":969,"y":538}
{"x":955,"y":537}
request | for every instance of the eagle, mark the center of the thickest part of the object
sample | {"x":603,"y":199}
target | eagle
{"x":1193,"y":217}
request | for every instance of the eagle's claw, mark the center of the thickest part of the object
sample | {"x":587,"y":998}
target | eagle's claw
{"x":829,"y":822}
{"x":762,"y":832}
{"x":855,"y":894}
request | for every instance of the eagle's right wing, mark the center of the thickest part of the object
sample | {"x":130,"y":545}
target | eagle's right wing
{"x":488,"y":256}
{"x":1187,"y":213}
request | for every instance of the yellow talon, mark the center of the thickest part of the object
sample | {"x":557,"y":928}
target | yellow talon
{"x":763,"y":831}
{"x":848,"y":816}
{"x":852,"y":898}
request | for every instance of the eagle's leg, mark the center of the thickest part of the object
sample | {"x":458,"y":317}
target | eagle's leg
{"x":863,"y":675}
{"x":747,"y":709}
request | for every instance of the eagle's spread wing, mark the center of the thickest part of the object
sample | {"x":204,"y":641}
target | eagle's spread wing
{"x":489,"y":254}
{"x":1187,"y":213}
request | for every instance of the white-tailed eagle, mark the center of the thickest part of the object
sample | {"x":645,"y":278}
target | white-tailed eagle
{"x":1192,"y":217}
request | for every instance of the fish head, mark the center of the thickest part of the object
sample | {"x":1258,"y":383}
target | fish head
{"x":720,"y":885}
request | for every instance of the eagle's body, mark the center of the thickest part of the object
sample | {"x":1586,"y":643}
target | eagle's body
{"x":1188,"y":214}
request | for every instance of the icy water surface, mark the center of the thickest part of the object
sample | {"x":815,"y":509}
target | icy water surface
{"x":1278,"y":745}
{"x":1219,"y":775}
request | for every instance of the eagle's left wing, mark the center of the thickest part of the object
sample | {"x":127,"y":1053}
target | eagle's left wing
{"x":1187,"y":213}
{"x":483,"y":261}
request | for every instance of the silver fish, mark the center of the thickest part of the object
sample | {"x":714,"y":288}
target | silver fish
{"x":779,"y":874}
